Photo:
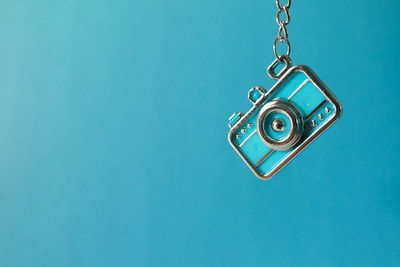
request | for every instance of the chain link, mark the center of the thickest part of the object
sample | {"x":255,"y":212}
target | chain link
{"x":282,"y":32}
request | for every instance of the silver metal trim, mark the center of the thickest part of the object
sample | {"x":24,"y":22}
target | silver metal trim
{"x":240,"y":114}
{"x":247,"y":138}
{"x":288,"y":64}
{"x":256,"y":88}
{"x":263,"y":158}
{"x":298,"y":88}
{"x":315,"y":110}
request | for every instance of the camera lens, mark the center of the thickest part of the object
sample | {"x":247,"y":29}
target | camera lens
{"x":276,"y":125}
{"x":279,"y":124}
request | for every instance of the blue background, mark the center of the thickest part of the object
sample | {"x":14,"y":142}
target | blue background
{"x":113,"y":137}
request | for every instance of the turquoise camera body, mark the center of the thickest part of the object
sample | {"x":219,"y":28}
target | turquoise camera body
{"x":282,"y":121}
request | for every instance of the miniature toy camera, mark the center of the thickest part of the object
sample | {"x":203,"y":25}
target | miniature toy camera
{"x":282,"y":121}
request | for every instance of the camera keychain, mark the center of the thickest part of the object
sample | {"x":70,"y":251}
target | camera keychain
{"x":285,"y":119}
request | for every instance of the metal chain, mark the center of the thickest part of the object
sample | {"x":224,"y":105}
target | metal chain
{"x":282,"y":32}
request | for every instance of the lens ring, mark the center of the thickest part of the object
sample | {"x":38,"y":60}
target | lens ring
{"x":296,"y":124}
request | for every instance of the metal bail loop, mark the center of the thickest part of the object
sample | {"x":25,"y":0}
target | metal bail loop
{"x":283,"y":59}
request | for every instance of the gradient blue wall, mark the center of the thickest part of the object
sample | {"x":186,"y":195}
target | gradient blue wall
{"x":113,"y":137}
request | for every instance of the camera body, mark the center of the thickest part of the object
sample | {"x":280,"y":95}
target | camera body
{"x":282,"y":121}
